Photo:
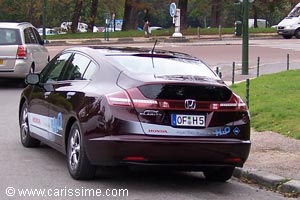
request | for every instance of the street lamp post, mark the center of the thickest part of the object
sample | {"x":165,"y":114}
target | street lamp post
{"x":245,"y":50}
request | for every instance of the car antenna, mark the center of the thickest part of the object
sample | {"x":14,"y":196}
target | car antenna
{"x":152,"y":51}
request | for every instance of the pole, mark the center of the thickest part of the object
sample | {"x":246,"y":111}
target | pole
{"x":258,"y":63}
{"x":245,"y":50}
{"x":233,"y":73}
{"x":44,"y":19}
{"x":288,"y":62}
{"x":248,"y":92}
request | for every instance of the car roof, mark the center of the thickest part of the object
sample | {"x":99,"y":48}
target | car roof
{"x":14,"y":24}
{"x":105,"y":50}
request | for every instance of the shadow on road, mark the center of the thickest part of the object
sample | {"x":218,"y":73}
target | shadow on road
{"x":11,"y":83}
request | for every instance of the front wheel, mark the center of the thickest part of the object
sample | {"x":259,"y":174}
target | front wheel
{"x":78,"y":164}
{"x":297,"y":33}
{"x":26,"y":139}
{"x":221,"y":174}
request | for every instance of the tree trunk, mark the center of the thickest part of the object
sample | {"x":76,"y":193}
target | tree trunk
{"x":76,"y":16}
{"x":215,"y":13}
{"x":182,"y":5}
{"x":93,"y":14}
{"x":255,"y":15}
{"x":130,"y":15}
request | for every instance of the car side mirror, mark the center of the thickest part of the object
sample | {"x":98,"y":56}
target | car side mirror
{"x":32,"y":79}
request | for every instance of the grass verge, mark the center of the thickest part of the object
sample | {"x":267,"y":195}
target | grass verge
{"x":274,"y":102}
{"x":164,"y":32}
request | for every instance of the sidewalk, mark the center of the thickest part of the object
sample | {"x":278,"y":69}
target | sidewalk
{"x":130,"y":40}
{"x":274,"y":160}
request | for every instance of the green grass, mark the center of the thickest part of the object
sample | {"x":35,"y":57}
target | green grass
{"x":274,"y":102}
{"x":165,"y":32}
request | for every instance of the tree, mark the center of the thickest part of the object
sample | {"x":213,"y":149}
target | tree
{"x":130,"y":15}
{"x":76,"y":16}
{"x":183,"y":5}
{"x":216,"y":12}
{"x":94,"y":7}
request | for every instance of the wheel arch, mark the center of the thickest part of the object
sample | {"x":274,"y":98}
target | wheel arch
{"x":70,"y":122}
{"x":22,"y":101}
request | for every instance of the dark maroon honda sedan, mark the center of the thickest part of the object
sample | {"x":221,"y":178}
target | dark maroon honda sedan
{"x":137,"y":108}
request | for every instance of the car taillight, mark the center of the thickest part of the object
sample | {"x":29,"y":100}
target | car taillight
{"x":133,"y":97}
{"x":21,"y":52}
{"x":235,"y":103}
{"x":119,"y":99}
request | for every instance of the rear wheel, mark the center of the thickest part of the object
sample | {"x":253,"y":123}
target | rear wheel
{"x":221,"y":174}
{"x":287,"y":36}
{"x":78,"y":164}
{"x":26,"y":139}
{"x":297,"y":33}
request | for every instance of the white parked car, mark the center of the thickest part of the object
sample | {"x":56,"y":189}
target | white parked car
{"x":48,"y":31}
{"x":82,"y":27}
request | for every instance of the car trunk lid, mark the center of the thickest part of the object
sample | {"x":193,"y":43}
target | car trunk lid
{"x":8,"y":55}
{"x":180,"y":109}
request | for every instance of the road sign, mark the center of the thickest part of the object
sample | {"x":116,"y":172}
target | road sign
{"x":173,"y":9}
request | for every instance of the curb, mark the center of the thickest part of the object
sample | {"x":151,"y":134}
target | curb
{"x":130,"y":40}
{"x":269,"y":181}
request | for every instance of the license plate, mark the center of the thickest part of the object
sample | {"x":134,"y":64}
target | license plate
{"x":188,"y":120}
{"x":1,"y":62}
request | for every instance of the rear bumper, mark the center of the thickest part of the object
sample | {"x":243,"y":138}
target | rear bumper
{"x":20,"y":70}
{"x":183,"y":153}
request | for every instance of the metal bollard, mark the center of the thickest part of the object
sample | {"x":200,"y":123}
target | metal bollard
{"x":288,"y":62}
{"x":220,"y":32}
{"x":233,"y":73}
{"x":248,"y":92}
{"x":258,"y":62}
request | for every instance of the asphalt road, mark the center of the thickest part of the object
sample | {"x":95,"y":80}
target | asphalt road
{"x":272,"y":54}
{"x":44,"y":171}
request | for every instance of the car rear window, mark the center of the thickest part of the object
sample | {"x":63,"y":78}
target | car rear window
{"x":163,"y":66}
{"x":9,"y":36}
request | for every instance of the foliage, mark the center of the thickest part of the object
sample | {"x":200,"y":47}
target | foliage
{"x":199,"y":12}
{"x":274,"y":102}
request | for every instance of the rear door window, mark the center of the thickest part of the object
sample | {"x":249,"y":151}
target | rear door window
{"x":30,"y":37}
{"x":92,"y":68}
{"x":53,"y":71}
{"x":37,"y":35}
{"x":76,"y":67}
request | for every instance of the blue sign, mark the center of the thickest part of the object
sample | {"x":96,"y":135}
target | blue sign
{"x":173,"y":9}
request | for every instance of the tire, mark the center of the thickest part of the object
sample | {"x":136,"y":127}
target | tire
{"x":221,"y":174}
{"x":78,"y":164}
{"x":297,"y":33}
{"x":287,"y":36}
{"x":26,"y":139}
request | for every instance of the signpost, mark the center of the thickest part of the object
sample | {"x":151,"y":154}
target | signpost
{"x":175,"y":13}
{"x":173,"y":9}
